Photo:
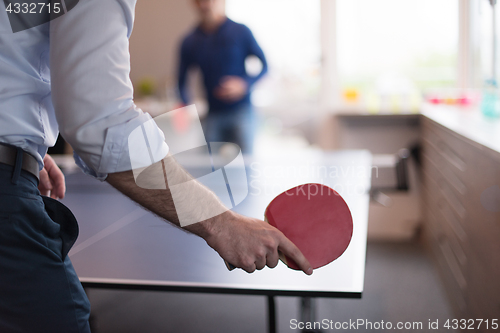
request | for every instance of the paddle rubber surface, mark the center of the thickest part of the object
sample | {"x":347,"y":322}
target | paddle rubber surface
{"x":316,"y":219}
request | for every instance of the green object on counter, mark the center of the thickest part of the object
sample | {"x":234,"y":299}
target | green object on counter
{"x":146,"y":87}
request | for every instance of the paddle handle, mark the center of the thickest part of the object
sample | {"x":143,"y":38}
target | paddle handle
{"x":229,"y":266}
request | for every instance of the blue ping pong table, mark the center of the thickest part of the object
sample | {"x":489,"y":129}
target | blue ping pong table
{"x":122,"y":246}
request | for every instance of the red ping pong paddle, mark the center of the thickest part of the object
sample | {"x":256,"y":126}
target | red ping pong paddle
{"x":316,"y":219}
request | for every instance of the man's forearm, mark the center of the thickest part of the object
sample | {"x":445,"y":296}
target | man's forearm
{"x":160,"y":201}
{"x":169,"y":191}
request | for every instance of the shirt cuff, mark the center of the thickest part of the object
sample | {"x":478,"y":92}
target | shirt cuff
{"x":88,"y":170}
{"x":121,"y":149}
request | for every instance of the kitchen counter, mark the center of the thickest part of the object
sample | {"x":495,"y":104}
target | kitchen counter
{"x":470,"y":123}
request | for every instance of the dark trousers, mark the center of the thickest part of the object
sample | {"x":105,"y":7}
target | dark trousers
{"x":39,"y":289}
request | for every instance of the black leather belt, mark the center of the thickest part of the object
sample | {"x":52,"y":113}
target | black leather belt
{"x":8,"y":156}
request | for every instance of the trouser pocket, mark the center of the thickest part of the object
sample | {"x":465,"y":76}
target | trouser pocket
{"x":61,"y":215}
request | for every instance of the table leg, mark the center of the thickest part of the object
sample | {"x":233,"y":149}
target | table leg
{"x":271,"y":311}
{"x":308,"y":312}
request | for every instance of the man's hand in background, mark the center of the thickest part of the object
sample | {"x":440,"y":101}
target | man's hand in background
{"x":52,"y":181}
{"x":231,"y":89}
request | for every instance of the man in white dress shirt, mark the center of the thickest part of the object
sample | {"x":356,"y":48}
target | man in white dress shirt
{"x":72,"y":75}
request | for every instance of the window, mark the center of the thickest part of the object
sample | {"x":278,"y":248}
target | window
{"x":383,"y":47}
{"x":289,"y":33}
{"x":485,"y":31}
{"x":397,"y":46}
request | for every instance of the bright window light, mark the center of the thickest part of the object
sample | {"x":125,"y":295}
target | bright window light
{"x":289,"y":33}
{"x":397,"y":44}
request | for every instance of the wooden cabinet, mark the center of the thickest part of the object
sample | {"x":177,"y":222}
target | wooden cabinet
{"x":462,"y":234}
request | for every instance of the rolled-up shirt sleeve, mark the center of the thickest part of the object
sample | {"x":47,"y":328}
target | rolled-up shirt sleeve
{"x":91,"y":88}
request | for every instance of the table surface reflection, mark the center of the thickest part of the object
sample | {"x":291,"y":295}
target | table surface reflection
{"x":123,"y":246}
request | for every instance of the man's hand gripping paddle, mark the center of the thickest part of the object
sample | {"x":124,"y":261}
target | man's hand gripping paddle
{"x":316,"y":219}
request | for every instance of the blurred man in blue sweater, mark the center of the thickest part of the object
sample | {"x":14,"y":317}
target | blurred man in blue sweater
{"x":219,"y":47}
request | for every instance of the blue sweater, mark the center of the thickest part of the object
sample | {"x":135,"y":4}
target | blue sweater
{"x":217,"y":55}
